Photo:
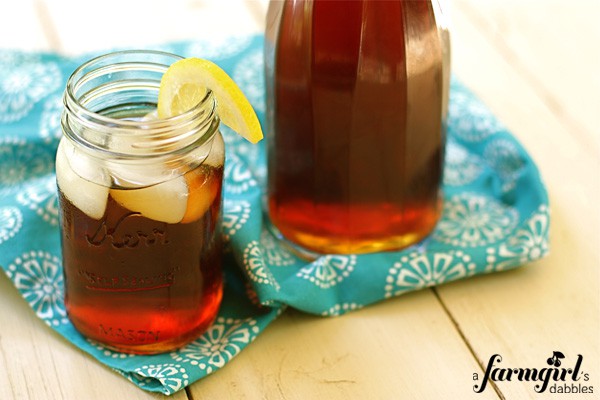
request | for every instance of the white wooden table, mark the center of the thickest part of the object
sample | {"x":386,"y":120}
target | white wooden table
{"x":536,"y":63}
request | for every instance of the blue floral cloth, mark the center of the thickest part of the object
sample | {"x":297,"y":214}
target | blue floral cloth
{"x":495,"y":218}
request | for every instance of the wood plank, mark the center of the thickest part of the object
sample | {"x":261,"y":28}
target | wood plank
{"x":37,"y":363}
{"x":20,"y":27}
{"x":141,"y":23}
{"x":401,"y":348}
{"x":554,"y":304}
{"x":555,"y":145}
{"x":554,"y":44}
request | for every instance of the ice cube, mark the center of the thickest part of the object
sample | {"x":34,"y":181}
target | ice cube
{"x":82,"y":182}
{"x":134,"y":175}
{"x":217,"y":152}
{"x":165,"y":202}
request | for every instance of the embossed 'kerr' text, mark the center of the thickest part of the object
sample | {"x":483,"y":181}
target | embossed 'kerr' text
{"x":119,"y":239}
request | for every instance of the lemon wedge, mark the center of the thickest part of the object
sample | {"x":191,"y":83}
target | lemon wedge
{"x":184,"y":85}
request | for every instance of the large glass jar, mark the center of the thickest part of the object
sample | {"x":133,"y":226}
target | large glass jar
{"x":140,"y":202}
{"x":357,"y":94}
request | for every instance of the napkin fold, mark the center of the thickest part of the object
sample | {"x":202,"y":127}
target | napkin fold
{"x":495,"y":217}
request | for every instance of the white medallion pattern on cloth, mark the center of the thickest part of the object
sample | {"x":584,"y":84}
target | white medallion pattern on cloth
{"x":42,"y":198}
{"x":504,"y":157}
{"x":240,"y":146}
{"x":327,"y":271}
{"x":471,"y":220}
{"x":21,"y":88}
{"x":419,"y":270}
{"x":10,"y":58}
{"x":470,"y":119}
{"x":219,"y":344}
{"x":11,"y":221}
{"x":247,"y":152}
{"x":172,"y":377}
{"x":340,"y":309}
{"x":106,"y":352}
{"x":461,"y":167}
{"x":218,"y":47}
{"x":238,"y":177}
{"x":38,"y":276}
{"x":256,"y":269}
{"x":235,"y":214}
{"x":260,"y":174}
{"x":275,"y":253}
{"x":528,"y":244}
{"x":20,"y":161}
{"x":50,"y":129}
{"x":249,"y":74}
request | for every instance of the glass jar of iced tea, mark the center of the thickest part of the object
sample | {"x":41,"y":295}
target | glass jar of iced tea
{"x":140,"y":202}
{"x":356,"y":95}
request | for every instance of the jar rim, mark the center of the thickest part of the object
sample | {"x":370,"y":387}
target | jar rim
{"x":190,"y":126}
{"x":74,"y":77}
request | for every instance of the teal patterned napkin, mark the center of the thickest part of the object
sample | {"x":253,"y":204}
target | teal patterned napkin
{"x":495,"y":218}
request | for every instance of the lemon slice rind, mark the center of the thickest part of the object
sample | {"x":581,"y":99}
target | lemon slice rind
{"x":184,"y":84}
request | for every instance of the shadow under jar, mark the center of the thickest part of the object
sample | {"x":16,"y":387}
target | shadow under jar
{"x":357,"y":94}
{"x":140,"y":202}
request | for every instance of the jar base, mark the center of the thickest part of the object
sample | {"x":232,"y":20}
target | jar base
{"x":163,"y":346}
{"x":309,"y":247}
{"x":134,"y":331}
{"x":158,"y":348}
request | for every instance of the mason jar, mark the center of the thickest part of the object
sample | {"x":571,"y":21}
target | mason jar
{"x":140,"y":207}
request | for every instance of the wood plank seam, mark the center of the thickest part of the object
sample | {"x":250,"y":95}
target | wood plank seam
{"x":257,"y":11}
{"x":47,"y":24}
{"x":466,"y":341}
{"x":563,"y":116}
{"x":188,"y":393}
{"x":10,"y":380}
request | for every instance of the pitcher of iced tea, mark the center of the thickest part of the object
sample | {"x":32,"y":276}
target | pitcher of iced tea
{"x":140,"y":201}
{"x":357,"y":94}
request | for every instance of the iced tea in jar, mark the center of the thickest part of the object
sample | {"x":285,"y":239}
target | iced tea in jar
{"x":140,"y":201}
{"x":357,"y":94}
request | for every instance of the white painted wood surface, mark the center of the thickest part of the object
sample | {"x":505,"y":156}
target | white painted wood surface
{"x":535,"y":63}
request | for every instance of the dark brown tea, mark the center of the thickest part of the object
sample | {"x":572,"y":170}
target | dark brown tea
{"x":355,"y":94}
{"x":142,"y":285}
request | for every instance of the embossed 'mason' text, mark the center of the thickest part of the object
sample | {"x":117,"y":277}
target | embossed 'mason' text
{"x":131,"y":335}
